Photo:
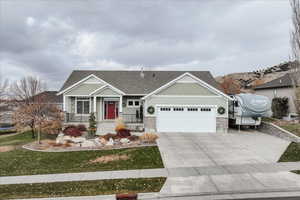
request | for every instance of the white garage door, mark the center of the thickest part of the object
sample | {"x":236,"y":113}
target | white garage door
{"x":186,"y":119}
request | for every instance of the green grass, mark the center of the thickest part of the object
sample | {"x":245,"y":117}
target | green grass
{"x":291,"y":154}
{"x":81,"y":188}
{"x":268,"y":119}
{"x":296,"y":172}
{"x":17,"y":139}
{"x":26,"y":162}
{"x":293,"y":128}
{"x":2,"y":132}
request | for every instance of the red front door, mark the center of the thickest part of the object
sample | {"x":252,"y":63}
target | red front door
{"x":110,"y":110}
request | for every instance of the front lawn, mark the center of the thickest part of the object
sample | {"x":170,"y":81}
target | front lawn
{"x":26,"y":162}
{"x":293,"y":128}
{"x":287,"y":125}
{"x":291,"y":154}
{"x":81,"y":188}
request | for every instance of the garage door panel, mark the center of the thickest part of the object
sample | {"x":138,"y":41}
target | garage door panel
{"x":186,"y":119}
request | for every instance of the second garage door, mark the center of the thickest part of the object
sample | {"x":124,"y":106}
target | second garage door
{"x":186,"y":119}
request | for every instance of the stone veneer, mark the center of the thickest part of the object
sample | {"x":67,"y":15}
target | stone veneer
{"x":150,"y":124}
{"x":222,"y":125}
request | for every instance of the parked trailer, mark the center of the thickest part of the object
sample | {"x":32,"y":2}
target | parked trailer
{"x":247,"y":109}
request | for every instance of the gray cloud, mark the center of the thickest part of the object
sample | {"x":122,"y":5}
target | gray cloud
{"x":50,"y":38}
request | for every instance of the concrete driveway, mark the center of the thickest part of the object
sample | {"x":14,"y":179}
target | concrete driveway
{"x":212,"y":149}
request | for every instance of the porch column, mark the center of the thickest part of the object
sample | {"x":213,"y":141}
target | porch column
{"x":64,"y":103}
{"x":121,"y":104}
{"x":95,"y":104}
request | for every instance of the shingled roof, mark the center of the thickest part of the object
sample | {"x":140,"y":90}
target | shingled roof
{"x":281,"y":82}
{"x":131,"y":82}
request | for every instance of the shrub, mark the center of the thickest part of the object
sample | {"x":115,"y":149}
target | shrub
{"x":119,"y":125}
{"x":149,"y":137}
{"x":280,"y":107}
{"x":123,"y":133}
{"x":109,"y":135}
{"x":72,"y":131}
{"x":51,"y":127}
{"x":133,"y":138}
{"x":81,"y":127}
{"x":92,"y":125}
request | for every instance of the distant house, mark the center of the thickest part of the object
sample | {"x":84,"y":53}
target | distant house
{"x":162,"y":101}
{"x":7,"y":108}
{"x":280,"y":87}
{"x":51,"y":97}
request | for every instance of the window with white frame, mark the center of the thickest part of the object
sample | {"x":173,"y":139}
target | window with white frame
{"x":133,"y":103}
{"x":82,"y":105}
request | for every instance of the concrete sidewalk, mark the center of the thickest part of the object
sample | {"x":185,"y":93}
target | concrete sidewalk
{"x":151,"y":173}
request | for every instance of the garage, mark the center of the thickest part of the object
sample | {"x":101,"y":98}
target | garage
{"x":186,"y":118}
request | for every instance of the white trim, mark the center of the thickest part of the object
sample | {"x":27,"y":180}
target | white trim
{"x":87,"y":100}
{"x":185,"y":96}
{"x":64,"y":103}
{"x":133,"y":106}
{"x":185,"y":105}
{"x":98,"y":89}
{"x":200,"y":82}
{"x":84,"y":79}
{"x":135,"y":94}
{"x":77,"y":95}
{"x":107,"y":95}
{"x":95,"y":104}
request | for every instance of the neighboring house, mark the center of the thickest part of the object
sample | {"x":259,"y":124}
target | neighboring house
{"x":6,"y":112}
{"x":7,"y":108}
{"x":162,"y":101}
{"x":51,"y":97}
{"x":280,"y":87}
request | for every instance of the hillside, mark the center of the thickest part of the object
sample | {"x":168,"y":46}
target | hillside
{"x":247,"y":80}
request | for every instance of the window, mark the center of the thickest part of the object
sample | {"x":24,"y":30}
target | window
{"x":192,"y":109}
{"x":206,"y":109}
{"x":82,"y":105}
{"x":165,"y":109}
{"x":178,"y":109}
{"x":133,"y":103}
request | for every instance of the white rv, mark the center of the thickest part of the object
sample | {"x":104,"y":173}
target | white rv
{"x":248,"y":109}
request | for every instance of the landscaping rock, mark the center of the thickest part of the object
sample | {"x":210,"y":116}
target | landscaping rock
{"x":110,"y":142}
{"x":78,"y":139}
{"x":98,"y":142}
{"x":124,"y":141}
{"x":103,"y":141}
{"x":88,"y":143}
{"x":67,"y":138}
{"x":60,"y":139}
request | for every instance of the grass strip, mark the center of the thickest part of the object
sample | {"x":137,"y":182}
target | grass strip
{"x":81,"y":188}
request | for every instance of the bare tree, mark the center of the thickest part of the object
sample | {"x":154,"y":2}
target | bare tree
{"x":26,"y":95}
{"x":3,"y":87}
{"x":295,"y":44}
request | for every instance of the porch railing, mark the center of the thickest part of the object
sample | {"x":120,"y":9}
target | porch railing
{"x":132,"y":118}
{"x":74,"y":117}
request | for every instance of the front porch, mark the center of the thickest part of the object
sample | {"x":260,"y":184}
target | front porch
{"x":106,"y":110}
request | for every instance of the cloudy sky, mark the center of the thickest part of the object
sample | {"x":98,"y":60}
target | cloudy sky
{"x":50,"y":38}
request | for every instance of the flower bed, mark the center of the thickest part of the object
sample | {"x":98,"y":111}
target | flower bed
{"x":104,"y":142}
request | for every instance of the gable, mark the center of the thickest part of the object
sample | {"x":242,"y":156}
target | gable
{"x":92,"y":80}
{"x":193,"y":89}
{"x":83,"y":89}
{"x":106,"y":91}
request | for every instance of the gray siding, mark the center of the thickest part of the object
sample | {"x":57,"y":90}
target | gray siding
{"x":107,"y":91}
{"x":187,"y":89}
{"x":84,"y":89}
{"x":218,"y":101}
{"x":280,"y":92}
